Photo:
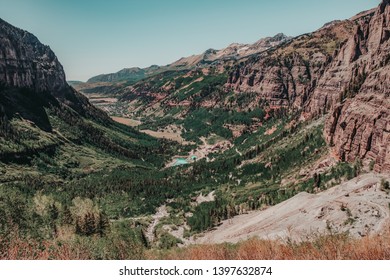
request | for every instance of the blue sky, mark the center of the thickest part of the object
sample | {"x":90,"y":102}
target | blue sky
{"x":94,"y":37}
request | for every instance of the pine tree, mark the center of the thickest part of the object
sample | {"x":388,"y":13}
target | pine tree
{"x":89,"y":224}
{"x":103,"y":224}
{"x":78,"y":226}
{"x":67,"y":216}
{"x":53,"y":212}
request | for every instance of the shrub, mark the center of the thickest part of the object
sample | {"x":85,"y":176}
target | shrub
{"x":385,"y":184}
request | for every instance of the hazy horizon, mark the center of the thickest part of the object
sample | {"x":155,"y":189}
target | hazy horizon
{"x":96,"y":37}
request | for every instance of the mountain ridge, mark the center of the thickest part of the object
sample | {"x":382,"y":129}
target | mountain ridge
{"x":248,"y":133}
{"x":35,"y":99}
{"x":230,"y":52}
{"x":318,"y":73}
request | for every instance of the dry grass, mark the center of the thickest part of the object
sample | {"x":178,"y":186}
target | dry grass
{"x":174,"y":136}
{"x":78,"y":248}
{"x":332,"y":247}
{"x":126,"y":121}
{"x":20,"y":249}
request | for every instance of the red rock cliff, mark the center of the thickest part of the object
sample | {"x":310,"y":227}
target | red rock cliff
{"x":359,"y":126}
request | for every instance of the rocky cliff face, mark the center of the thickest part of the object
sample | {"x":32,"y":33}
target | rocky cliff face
{"x":288,"y":75}
{"x":342,"y":69}
{"x":32,"y":78}
{"x":359,"y":126}
{"x":26,"y":63}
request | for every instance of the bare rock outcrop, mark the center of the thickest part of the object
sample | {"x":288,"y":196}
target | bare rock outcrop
{"x":341,"y":69}
{"x":359,"y":126}
{"x":289,"y":74}
{"x":26,"y":63}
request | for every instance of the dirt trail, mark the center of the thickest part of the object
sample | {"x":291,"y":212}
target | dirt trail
{"x":358,"y":206}
{"x":161,"y":213}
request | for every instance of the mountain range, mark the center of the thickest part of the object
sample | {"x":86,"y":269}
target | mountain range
{"x":333,"y":70}
{"x":294,"y":131}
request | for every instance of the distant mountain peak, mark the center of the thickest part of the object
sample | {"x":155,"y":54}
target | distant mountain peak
{"x":280,"y":36}
{"x":233,"y":51}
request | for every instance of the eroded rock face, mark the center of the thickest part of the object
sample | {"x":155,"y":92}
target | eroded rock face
{"x":359,"y":126}
{"x":342,"y":70}
{"x":288,"y":75}
{"x":283,"y":82}
{"x":26,"y":63}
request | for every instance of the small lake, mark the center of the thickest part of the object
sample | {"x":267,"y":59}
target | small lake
{"x":180,"y":161}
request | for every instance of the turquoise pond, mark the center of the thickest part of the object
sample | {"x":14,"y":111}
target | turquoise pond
{"x":180,"y":161}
